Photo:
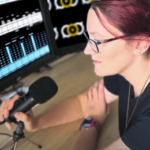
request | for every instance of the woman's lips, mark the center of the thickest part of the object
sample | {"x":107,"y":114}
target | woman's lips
{"x":96,"y":62}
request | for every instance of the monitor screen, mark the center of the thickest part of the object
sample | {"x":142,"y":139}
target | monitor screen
{"x":69,"y":22}
{"x":23,"y":37}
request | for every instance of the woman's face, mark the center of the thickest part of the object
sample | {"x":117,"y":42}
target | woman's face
{"x":114,"y":56}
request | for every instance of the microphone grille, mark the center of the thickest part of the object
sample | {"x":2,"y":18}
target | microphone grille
{"x":43,"y":89}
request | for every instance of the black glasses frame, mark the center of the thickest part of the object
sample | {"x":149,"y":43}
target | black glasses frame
{"x":102,"y":41}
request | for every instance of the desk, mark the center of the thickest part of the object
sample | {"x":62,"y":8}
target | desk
{"x":72,"y":75}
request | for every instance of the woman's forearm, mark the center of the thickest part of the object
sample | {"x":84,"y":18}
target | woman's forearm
{"x":66,"y":111}
{"x":87,"y":140}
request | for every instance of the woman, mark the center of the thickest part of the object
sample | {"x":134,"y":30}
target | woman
{"x":122,"y":62}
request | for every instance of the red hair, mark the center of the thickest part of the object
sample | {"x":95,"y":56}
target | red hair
{"x":131,"y":17}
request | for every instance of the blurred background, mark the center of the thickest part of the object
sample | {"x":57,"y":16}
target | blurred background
{"x":45,"y":38}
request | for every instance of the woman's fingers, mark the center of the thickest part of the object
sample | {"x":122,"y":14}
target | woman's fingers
{"x":94,"y":85}
{"x":95,"y":94}
{"x":5,"y":111}
{"x":89,"y":95}
{"x":12,"y":101}
{"x":101,"y":91}
{"x":8,"y":125}
{"x":6,"y":106}
{"x":93,"y":88}
{"x":1,"y":111}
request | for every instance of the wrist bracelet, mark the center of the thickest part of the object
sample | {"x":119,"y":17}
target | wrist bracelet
{"x":90,"y":122}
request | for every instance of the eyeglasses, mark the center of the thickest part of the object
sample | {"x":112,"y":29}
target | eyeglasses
{"x":94,"y":44}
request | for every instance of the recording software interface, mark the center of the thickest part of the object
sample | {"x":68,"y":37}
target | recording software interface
{"x":68,"y":18}
{"x":23,"y":37}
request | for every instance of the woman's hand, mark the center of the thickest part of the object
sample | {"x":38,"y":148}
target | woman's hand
{"x":96,"y":105}
{"x":28,"y":119}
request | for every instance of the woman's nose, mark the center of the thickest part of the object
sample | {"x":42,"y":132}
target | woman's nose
{"x":88,"y":50}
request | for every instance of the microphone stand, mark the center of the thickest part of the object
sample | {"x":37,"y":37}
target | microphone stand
{"x":18,"y":134}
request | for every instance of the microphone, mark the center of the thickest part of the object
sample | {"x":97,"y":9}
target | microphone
{"x":39,"y":92}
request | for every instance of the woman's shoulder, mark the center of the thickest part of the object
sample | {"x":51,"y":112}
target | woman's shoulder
{"x":115,"y":83}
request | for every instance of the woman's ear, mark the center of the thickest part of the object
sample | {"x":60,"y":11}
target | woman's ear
{"x":143,"y":45}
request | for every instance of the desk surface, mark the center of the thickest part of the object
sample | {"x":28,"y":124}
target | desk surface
{"x":73,"y":75}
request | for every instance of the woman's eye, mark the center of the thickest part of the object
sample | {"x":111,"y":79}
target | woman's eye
{"x":98,"y":40}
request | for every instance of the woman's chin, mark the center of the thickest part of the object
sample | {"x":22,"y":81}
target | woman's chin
{"x":103,"y":72}
{"x":98,"y":72}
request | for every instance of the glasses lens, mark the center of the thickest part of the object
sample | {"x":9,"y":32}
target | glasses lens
{"x":91,"y":43}
{"x":93,"y":46}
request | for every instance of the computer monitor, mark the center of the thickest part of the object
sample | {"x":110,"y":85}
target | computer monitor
{"x":69,"y":22}
{"x":25,"y":41}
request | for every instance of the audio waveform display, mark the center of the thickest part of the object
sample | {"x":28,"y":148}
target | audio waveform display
{"x":13,"y":25}
{"x":22,"y":34}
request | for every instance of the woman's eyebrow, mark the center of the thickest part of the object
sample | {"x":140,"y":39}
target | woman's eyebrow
{"x":96,"y":33}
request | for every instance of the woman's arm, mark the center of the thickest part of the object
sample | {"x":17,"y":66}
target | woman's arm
{"x":60,"y":114}
{"x":99,"y":109}
{"x":68,"y":110}
{"x":88,"y":139}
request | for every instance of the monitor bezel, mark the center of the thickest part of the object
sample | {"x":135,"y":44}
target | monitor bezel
{"x":48,"y":25}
